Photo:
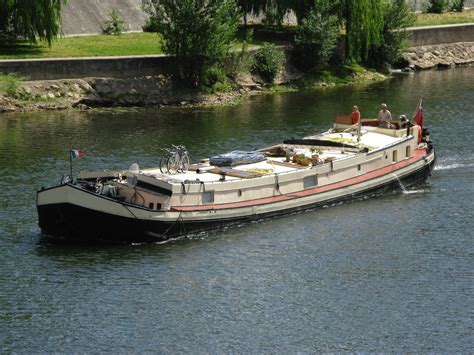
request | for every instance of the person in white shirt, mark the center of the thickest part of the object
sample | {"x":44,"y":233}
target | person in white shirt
{"x":384,"y":117}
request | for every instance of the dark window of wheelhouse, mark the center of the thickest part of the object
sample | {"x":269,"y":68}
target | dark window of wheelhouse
{"x":208,"y":197}
{"x":310,"y":181}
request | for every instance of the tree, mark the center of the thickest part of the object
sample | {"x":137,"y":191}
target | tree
{"x":31,"y":19}
{"x":397,"y":17}
{"x":315,"y":40}
{"x":364,"y":23}
{"x":199,"y":33}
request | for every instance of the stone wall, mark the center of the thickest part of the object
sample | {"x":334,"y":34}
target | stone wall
{"x":87,"y":16}
{"x":440,"y":55}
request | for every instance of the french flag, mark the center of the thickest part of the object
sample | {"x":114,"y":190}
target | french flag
{"x":77,"y":153}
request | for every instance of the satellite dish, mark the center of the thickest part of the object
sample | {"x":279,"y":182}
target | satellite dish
{"x":132,"y":178}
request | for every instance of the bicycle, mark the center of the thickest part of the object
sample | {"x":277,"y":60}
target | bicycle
{"x":175,"y":161}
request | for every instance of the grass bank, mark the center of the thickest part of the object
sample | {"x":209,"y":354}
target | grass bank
{"x":142,"y":43}
{"x":447,"y":18}
{"x":139,"y":43}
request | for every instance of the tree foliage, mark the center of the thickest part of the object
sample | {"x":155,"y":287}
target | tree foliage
{"x":31,"y":19}
{"x":394,"y":37}
{"x":268,"y":62}
{"x":315,"y":40}
{"x":364,"y":24}
{"x":199,"y":33}
{"x":437,"y":6}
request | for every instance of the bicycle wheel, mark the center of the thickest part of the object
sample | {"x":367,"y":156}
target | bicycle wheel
{"x":172,"y":164}
{"x":162,"y":165}
{"x":184,"y":164}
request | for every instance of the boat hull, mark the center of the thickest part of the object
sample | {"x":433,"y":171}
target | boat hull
{"x":72,"y":222}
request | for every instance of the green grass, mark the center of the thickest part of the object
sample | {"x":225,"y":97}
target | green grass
{"x":142,"y":43}
{"x":9,"y":84}
{"x":447,"y":18}
{"x":86,"y":46}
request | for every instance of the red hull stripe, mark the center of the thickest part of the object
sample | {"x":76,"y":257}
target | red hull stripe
{"x":419,"y":154}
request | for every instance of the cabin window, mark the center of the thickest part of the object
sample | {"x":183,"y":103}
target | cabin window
{"x":208,"y":197}
{"x":158,"y":206}
{"x":151,"y":205}
{"x":310,"y":181}
{"x":395,"y":156}
{"x":408,"y":151}
{"x":239,"y":193}
{"x":359,"y":167}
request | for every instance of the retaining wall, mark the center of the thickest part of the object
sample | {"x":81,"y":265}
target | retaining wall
{"x":75,"y":68}
{"x":425,"y":36}
{"x":135,"y":66}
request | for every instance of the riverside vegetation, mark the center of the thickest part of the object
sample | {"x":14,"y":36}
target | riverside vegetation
{"x":332,"y":44}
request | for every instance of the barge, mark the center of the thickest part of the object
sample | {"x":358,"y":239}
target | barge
{"x":346,"y":162}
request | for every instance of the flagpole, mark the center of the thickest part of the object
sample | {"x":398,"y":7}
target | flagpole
{"x":70,"y":163}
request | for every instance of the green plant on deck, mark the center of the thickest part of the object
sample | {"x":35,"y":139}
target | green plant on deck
{"x":9,"y":84}
{"x":115,"y":25}
{"x":268,"y":62}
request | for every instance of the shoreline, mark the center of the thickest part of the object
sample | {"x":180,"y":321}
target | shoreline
{"x":162,"y":90}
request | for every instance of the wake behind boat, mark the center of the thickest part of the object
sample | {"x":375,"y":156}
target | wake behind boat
{"x":157,"y":204}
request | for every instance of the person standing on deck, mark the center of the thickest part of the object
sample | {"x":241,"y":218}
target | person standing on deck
{"x":384,"y":114}
{"x":355,"y":116}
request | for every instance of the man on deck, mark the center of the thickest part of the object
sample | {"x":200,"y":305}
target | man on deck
{"x":384,"y":117}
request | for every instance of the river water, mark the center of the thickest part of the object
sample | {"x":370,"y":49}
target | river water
{"x":392,"y":273}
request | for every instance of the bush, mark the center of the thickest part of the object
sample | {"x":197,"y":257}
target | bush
{"x":268,"y":62}
{"x":437,"y":6}
{"x":151,"y":25}
{"x":200,"y":34}
{"x":457,"y":5}
{"x":214,"y":79}
{"x":315,"y":40}
{"x":115,"y":25}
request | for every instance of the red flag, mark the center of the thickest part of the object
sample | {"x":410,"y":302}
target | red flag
{"x":418,"y":118}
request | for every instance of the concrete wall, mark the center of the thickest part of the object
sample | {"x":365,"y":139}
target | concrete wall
{"x":419,"y":4}
{"x":115,"y":67}
{"x":87,"y":16}
{"x":123,"y":67}
{"x":423,"y":36}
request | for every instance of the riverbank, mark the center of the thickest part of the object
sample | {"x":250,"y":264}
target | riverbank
{"x":440,"y":55}
{"x":163,"y":90}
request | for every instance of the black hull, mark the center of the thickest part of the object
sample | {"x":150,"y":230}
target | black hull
{"x":71,"y":223}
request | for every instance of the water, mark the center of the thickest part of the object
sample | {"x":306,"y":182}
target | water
{"x":393,"y":273}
